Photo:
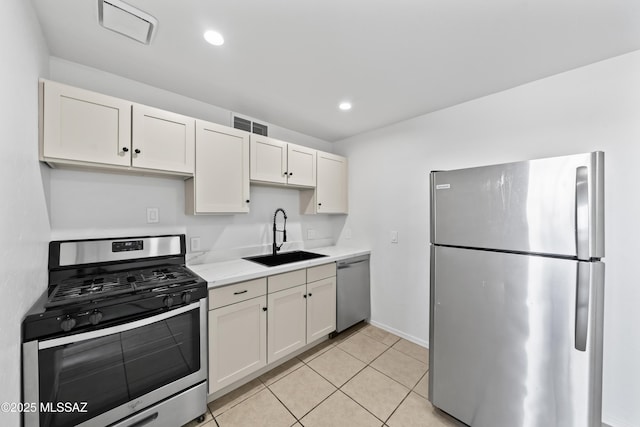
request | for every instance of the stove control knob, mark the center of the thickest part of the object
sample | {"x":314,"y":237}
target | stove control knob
{"x":186,"y":297}
{"x":68,"y":323}
{"x":168,"y":301}
{"x":95,"y":317}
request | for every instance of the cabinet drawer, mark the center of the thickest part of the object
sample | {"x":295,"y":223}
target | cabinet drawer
{"x":287,"y":280}
{"x":321,"y":272}
{"x":242,"y":291}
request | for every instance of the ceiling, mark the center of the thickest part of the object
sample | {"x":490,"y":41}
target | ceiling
{"x":290,"y":63}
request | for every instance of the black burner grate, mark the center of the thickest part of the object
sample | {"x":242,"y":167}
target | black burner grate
{"x":89,"y":288}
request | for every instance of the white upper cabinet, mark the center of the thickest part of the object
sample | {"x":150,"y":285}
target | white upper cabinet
{"x":301,"y":166}
{"x":83,"y":128}
{"x":162,"y":140}
{"x":330,"y":195}
{"x":221,"y":180}
{"x":268,"y":159}
{"x":79,"y":126}
{"x":278,"y":162}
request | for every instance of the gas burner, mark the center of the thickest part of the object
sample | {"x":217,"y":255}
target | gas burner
{"x":91,"y":288}
{"x":84,"y":289}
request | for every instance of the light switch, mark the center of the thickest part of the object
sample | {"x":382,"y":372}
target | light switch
{"x":311,"y":234}
{"x":394,"y":237}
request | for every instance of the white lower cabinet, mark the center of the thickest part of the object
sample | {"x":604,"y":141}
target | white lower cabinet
{"x":237,"y":336}
{"x":301,"y":314}
{"x":258,"y":322}
{"x":321,"y":308}
{"x":286,"y":322}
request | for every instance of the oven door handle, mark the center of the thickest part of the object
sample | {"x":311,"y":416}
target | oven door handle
{"x":57,"y":342}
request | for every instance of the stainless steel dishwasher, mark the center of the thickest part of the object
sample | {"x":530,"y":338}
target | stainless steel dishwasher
{"x":353,"y":292}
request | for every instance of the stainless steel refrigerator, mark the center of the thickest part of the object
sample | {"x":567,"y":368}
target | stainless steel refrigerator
{"x":517,"y":287}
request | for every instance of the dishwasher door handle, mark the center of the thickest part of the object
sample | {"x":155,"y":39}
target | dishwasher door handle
{"x":350,"y":264}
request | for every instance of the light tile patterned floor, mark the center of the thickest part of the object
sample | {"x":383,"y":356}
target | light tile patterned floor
{"x":363,"y":377}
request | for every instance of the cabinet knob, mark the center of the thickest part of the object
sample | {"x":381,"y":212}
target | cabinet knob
{"x":125,"y":149}
{"x":286,"y":173}
{"x":247,"y":200}
{"x":319,"y":204}
{"x":290,"y":173}
{"x":310,"y":294}
{"x":264,"y":308}
{"x":137,"y":151}
{"x":304,"y":296}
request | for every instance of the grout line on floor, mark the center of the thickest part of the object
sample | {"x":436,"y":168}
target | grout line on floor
{"x":397,"y":407}
{"x":282,"y":403}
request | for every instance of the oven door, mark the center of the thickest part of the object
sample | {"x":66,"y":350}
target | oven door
{"x":102,"y":376}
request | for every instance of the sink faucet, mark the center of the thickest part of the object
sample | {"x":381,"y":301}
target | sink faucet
{"x":276,"y":248}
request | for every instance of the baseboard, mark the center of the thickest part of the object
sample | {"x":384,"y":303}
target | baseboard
{"x":401,"y":334}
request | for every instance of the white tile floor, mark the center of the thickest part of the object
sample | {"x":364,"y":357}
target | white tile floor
{"x":363,"y":377}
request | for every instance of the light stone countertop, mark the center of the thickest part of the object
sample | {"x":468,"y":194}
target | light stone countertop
{"x":238,"y":270}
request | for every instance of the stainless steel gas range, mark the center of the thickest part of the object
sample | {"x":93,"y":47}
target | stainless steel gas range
{"x":119,"y":339}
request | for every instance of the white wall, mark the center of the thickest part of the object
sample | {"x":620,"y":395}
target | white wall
{"x":24,"y":226}
{"x":592,"y":108}
{"x":110,"y":84}
{"x":94,"y":204}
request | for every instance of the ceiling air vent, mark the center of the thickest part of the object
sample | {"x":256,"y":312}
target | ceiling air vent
{"x":250,"y":126}
{"x":118,"y":16}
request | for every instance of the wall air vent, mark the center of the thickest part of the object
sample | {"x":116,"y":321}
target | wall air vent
{"x":250,"y":125}
{"x":122,"y":18}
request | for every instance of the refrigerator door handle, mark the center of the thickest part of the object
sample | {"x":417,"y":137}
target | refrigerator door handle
{"x":583,"y":290}
{"x":582,"y":213}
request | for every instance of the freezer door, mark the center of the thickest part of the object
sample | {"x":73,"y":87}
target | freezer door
{"x":516,"y":340}
{"x":547,"y":206}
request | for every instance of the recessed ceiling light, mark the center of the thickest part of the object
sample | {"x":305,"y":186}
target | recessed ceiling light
{"x":345,"y":106}
{"x":214,"y":37}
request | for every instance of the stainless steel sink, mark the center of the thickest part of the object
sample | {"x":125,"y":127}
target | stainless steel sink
{"x":283,"y":258}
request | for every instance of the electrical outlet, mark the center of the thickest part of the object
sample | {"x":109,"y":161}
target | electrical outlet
{"x":153,"y":215}
{"x":394,"y":237}
{"x":194,"y":244}
{"x":311,"y":234}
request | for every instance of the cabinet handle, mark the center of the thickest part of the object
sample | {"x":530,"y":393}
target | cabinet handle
{"x":137,"y":151}
{"x":125,"y":149}
{"x":240,"y":292}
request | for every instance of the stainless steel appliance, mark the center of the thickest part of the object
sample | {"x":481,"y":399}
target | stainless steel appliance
{"x":353,"y":295}
{"x":119,"y":337}
{"x":517,"y":291}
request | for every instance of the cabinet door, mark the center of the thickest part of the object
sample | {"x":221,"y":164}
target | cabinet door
{"x":286,"y":322}
{"x":237,"y":341}
{"x":301,"y":166}
{"x":221,"y":180}
{"x":83,"y":126}
{"x":163,"y":140}
{"x":321,"y":308}
{"x":268,"y":159}
{"x":331,"y":187}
